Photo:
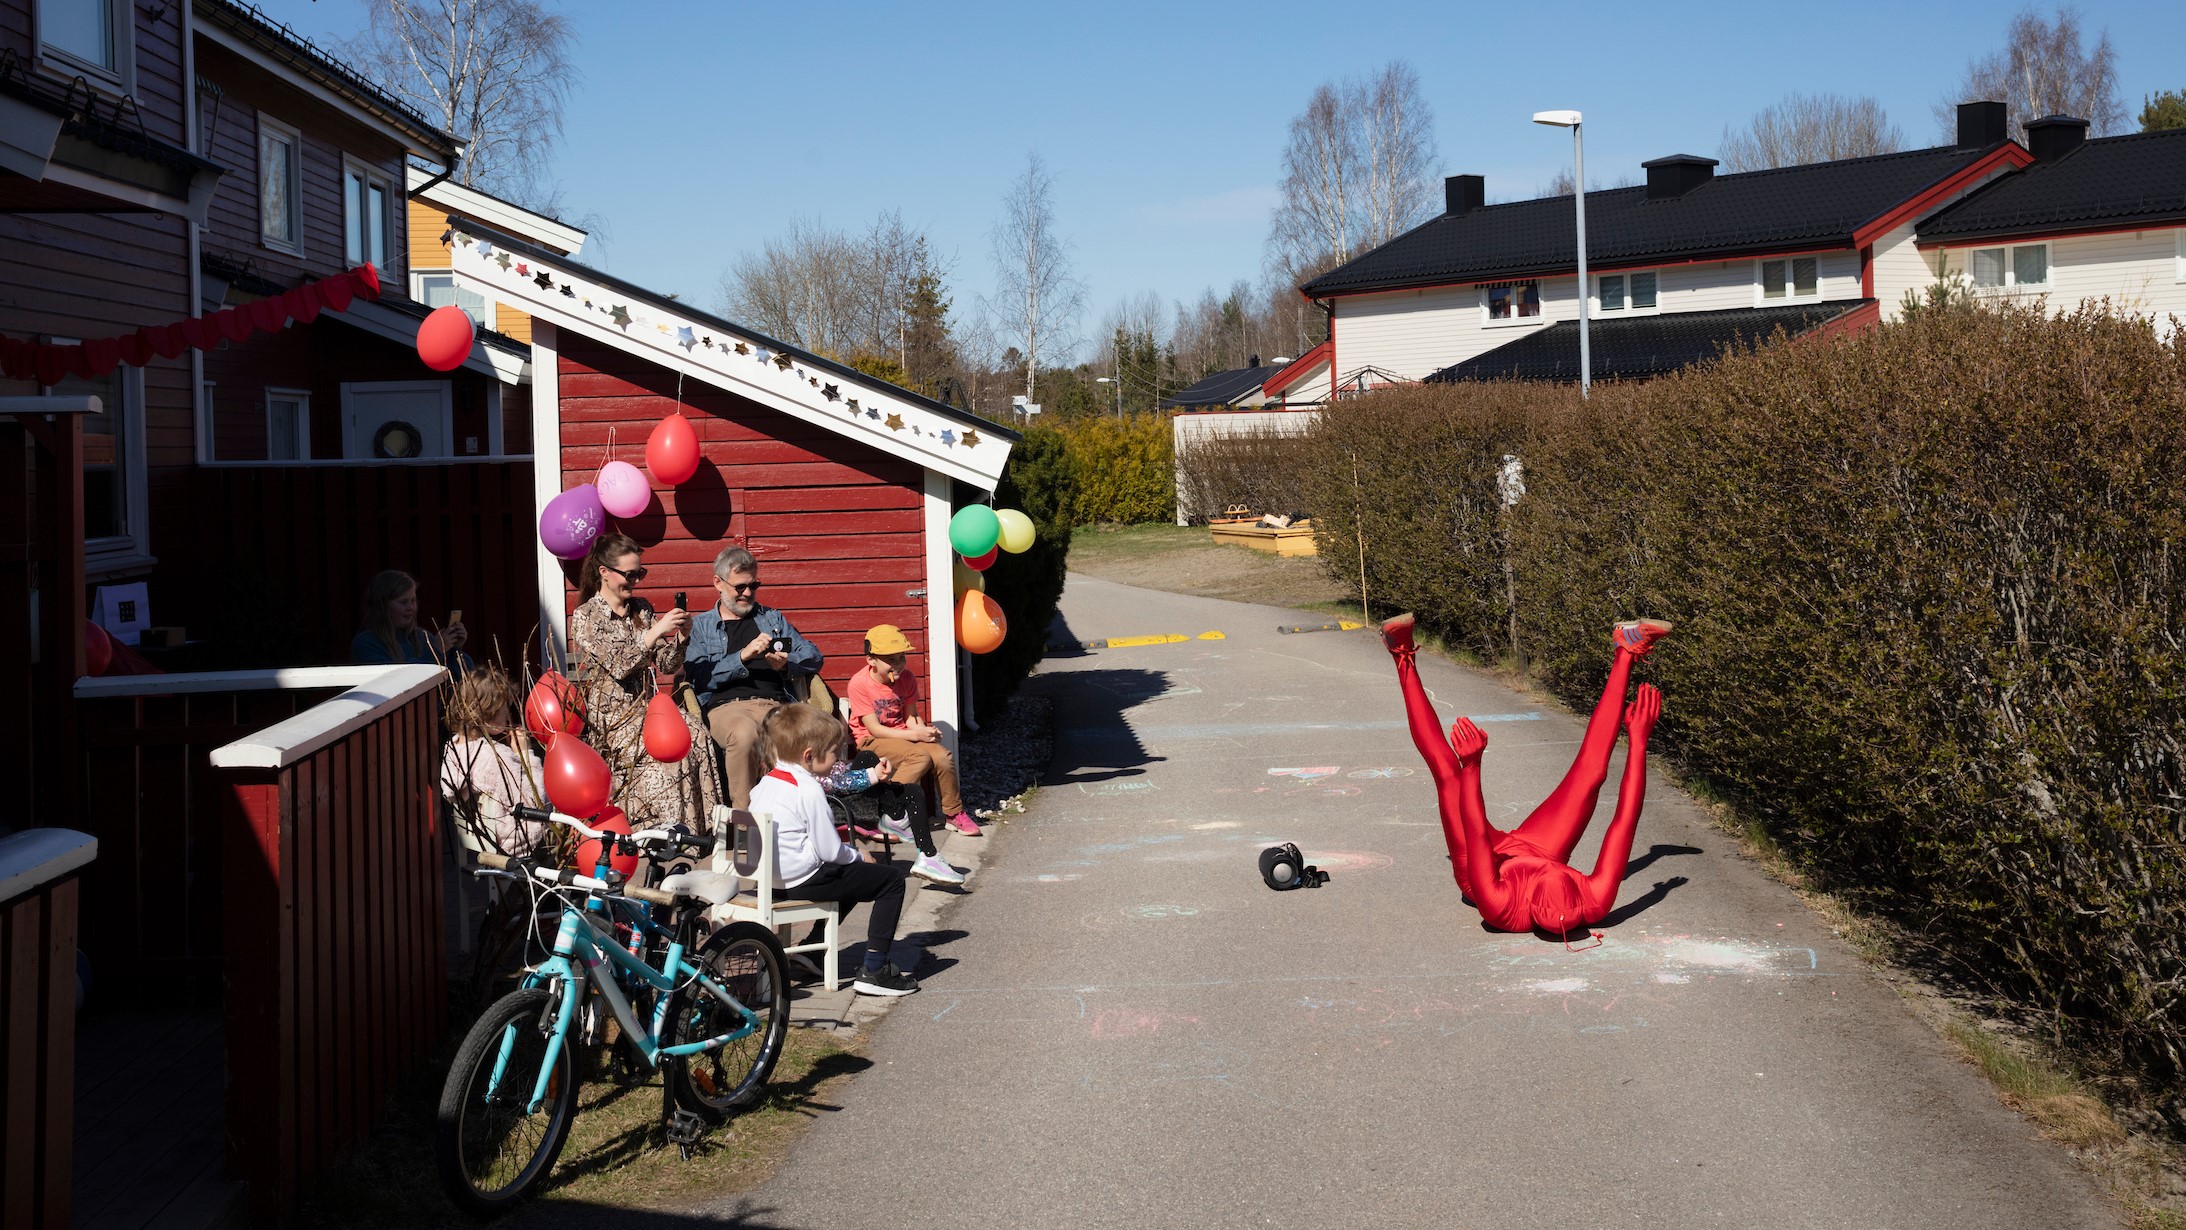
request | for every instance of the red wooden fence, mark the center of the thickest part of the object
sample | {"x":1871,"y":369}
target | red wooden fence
{"x":336,"y":959}
{"x":38,"y":1027}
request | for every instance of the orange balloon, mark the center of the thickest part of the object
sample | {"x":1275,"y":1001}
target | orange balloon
{"x":980,"y":624}
{"x":667,"y":738}
{"x":576,"y":778}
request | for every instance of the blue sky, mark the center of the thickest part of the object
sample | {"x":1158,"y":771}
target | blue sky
{"x":701,"y":129}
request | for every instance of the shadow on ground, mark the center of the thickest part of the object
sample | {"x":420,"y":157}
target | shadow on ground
{"x":1095,"y":742}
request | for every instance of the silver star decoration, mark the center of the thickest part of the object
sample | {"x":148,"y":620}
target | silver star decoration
{"x":484,"y":248}
{"x":687,"y":338}
{"x":947,"y":437}
{"x":873,"y":412}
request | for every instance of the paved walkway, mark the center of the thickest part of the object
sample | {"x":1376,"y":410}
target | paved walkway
{"x":1122,"y":1027}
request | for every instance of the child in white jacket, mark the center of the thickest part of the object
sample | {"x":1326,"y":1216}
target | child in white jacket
{"x":810,"y":860}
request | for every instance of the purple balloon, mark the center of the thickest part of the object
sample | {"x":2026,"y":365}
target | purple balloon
{"x":572,"y":520}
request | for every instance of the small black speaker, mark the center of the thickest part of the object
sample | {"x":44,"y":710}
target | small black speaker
{"x":1283,"y":867}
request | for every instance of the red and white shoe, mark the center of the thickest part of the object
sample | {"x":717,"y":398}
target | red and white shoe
{"x":963,"y":823}
{"x":1396,"y":635}
{"x":1637,"y":636}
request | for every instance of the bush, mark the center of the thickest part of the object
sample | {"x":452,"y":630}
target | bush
{"x":1038,"y":480}
{"x":1929,"y":622}
{"x":1265,"y":469}
{"x":1123,"y":469}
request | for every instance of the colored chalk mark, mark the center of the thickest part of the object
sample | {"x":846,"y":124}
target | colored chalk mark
{"x":1307,"y":775}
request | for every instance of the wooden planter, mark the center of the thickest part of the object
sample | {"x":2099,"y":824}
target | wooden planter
{"x":1294,"y":541}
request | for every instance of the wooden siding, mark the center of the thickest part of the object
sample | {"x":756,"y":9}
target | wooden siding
{"x":2137,"y":271}
{"x":232,"y":226}
{"x":158,"y":82}
{"x":428,"y":222}
{"x":338,"y":963}
{"x":838,"y":527}
{"x":1900,"y":267}
{"x":38,"y":1039}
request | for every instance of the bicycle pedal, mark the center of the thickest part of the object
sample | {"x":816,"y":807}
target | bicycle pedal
{"x":685,"y":1130}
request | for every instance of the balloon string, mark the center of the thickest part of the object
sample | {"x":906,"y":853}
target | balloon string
{"x":611,"y":442}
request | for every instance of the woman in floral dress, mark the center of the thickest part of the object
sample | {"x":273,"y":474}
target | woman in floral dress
{"x":624,"y":649}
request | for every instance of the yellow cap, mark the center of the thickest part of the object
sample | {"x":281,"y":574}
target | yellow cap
{"x":886,"y":640}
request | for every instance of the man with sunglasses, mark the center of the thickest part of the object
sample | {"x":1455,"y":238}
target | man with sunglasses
{"x":744,"y":659}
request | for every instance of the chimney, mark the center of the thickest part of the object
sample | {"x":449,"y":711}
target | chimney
{"x":2054,"y":136}
{"x":1255,"y":361}
{"x":1980,"y":124}
{"x":1461,"y":194}
{"x":1672,"y":177}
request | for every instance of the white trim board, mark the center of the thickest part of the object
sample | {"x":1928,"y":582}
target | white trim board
{"x":860,"y":409}
{"x":35,"y":857}
{"x":945,"y":710}
{"x":284,"y":743}
{"x":454,"y":198}
{"x":546,"y":483}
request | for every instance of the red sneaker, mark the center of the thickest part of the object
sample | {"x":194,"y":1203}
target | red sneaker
{"x":1637,"y":636}
{"x":1396,"y":634}
{"x":963,"y":823}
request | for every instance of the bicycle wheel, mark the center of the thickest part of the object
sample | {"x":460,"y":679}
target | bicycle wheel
{"x":746,"y":960}
{"x":492,"y":1151}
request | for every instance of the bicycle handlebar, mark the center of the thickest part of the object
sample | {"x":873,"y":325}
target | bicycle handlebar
{"x":697,"y":845}
{"x":561,"y":877}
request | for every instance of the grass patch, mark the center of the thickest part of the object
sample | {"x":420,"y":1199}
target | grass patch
{"x":615,"y":1155}
{"x":2041,"y":1092}
{"x":1187,"y":560}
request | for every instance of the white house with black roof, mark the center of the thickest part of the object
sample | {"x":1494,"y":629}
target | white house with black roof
{"x":2100,"y":219}
{"x":1686,"y":263}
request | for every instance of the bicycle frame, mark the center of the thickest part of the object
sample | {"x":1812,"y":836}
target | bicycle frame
{"x":578,"y":949}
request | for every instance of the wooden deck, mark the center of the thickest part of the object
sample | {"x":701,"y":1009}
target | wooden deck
{"x":149,"y":1127}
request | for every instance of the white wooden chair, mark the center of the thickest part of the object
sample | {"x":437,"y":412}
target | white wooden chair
{"x":747,"y":849}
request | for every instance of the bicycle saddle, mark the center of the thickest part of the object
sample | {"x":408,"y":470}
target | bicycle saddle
{"x":711,"y":887}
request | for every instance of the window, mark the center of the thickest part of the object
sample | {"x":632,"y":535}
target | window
{"x":288,"y":424}
{"x":1512,"y":301}
{"x":437,"y":288}
{"x":113,"y":466}
{"x":280,"y":185}
{"x":2006,"y":268}
{"x":90,"y":36}
{"x":365,"y":197}
{"x":1796,"y":277}
{"x":1622,"y":292}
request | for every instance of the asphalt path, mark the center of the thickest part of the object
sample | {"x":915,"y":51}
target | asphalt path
{"x":1121,"y":1026}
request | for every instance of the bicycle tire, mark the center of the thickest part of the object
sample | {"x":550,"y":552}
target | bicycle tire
{"x":747,"y":961}
{"x":472,"y":1145}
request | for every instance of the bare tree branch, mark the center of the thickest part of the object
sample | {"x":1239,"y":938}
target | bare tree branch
{"x":1358,"y":171}
{"x":1806,"y":128}
{"x":2042,"y":70}
{"x":1036,"y":298}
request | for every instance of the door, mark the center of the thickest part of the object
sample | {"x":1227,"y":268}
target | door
{"x":396,"y":420}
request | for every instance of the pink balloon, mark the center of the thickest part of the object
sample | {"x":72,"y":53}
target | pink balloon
{"x":624,"y":493}
{"x":572,"y":520}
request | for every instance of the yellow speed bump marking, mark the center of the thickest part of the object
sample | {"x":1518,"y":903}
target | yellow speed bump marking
{"x":1341,"y":625}
{"x":1132,"y":642}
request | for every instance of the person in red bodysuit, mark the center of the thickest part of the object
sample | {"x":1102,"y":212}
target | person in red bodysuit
{"x":1522,"y":879}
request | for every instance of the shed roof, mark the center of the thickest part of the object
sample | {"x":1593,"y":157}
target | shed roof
{"x":1820,"y":205}
{"x":1641,"y":346}
{"x":1220,"y":388}
{"x":558,"y":291}
{"x":2138,"y":179}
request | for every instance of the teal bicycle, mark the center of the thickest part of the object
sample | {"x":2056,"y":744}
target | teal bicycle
{"x":711,"y":1014}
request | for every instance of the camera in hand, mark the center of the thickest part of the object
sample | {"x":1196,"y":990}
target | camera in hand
{"x":1283,"y":868}
{"x":780,"y":645}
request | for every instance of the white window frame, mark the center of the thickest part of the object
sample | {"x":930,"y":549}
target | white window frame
{"x":302,"y":398}
{"x":2011,"y":282}
{"x":129,"y":550}
{"x":59,"y":61}
{"x":1627,"y":309}
{"x":1487,"y":320}
{"x":1761,"y":296}
{"x":417,"y":294}
{"x":353,"y":207}
{"x":269,"y":125}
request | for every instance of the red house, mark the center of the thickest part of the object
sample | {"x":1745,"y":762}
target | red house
{"x":841,"y":484}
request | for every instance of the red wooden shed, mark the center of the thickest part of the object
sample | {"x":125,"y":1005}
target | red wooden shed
{"x":841,"y":484}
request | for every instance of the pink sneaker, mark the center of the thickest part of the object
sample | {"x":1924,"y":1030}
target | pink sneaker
{"x":963,"y":823}
{"x":1637,"y":636}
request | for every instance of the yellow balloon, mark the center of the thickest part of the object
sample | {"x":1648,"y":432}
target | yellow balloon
{"x":965,"y":579}
{"x":1016,"y":535}
{"x":980,"y":625}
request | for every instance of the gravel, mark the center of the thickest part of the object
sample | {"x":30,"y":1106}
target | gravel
{"x":1001,"y":763}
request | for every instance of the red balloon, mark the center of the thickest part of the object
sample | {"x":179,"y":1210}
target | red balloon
{"x":671,"y":454}
{"x":445,"y":339}
{"x":577,"y":780}
{"x":336,"y":292}
{"x":269,"y":314}
{"x":98,"y":649}
{"x":612,"y":820}
{"x":554,"y":707}
{"x":234,"y":324}
{"x":302,"y":303}
{"x":366,"y":279}
{"x":667,"y":738}
{"x":986,"y":561}
{"x":136,"y":348}
{"x":102,"y":355}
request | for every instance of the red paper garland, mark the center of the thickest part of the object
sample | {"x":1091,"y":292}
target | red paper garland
{"x":49,"y":364}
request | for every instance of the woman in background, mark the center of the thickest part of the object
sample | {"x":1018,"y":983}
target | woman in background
{"x":390,"y":635}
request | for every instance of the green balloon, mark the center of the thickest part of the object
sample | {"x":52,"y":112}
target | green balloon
{"x":973,"y":530}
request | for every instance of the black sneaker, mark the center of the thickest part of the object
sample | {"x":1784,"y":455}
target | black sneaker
{"x":886,"y":980}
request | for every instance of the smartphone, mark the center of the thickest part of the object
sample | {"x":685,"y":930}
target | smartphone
{"x":455,"y":617}
{"x":680,"y":595}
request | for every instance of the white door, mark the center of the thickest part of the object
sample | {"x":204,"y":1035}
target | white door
{"x":396,"y":420}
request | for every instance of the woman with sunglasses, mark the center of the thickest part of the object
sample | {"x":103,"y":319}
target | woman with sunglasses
{"x":624,"y":649}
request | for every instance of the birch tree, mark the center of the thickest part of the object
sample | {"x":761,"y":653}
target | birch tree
{"x":1358,"y":170}
{"x":1807,"y":128}
{"x":492,"y":73}
{"x":1036,"y":298}
{"x":2044,"y":69}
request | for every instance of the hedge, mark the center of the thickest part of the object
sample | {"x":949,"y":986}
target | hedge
{"x":1929,"y":622}
{"x":1123,"y":469}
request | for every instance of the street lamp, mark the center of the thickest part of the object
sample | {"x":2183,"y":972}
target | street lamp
{"x":1119,"y":392}
{"x":1570,"y":119}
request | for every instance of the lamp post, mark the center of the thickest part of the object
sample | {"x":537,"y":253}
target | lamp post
{"x":1119,"y":391}
{"x":1570,"y":119}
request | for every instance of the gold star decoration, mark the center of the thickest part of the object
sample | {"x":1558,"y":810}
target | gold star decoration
{"x":853,"y":405}
{"x":504,"y":260}
{"x":971,"y":438}
{"x":895,"y":422}
{"x":741,"y":348}
{"x":815,"y":381}
{"x":545,"y":282}
{"x":783,"y":361}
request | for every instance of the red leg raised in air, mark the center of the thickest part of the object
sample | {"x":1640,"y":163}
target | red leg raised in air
{"x":1553,"y":829}
{"x":1601,"y":887}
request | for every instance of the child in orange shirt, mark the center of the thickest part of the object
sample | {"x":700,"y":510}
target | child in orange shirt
{"x":884,"y":715}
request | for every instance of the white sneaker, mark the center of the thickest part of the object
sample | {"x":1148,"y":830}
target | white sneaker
{"x":898,"y":827}
{"x":929,"y":867}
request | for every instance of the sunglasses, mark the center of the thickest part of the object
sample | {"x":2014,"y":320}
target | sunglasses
{"x":745,"y":587}
{"x":633,"y":576}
